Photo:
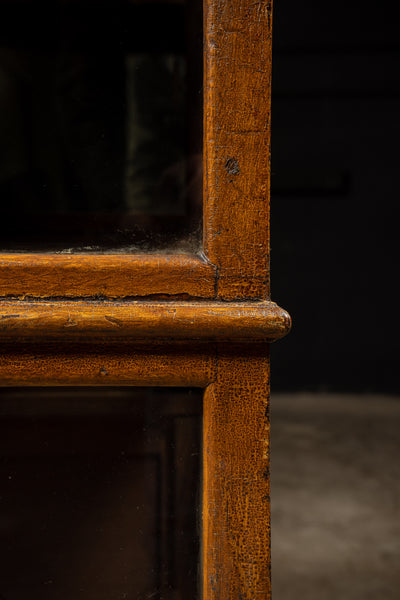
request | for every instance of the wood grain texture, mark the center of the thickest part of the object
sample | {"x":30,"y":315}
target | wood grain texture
{"x":109,"y":321}
{"x":236,"y":145}
{"x":112,"y":276}
{"x":224,"y":297}
{"x":103,"y":365}
{"x":236,"y":528}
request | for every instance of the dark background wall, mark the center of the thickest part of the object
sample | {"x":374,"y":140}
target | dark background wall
{"x":335,"y":190}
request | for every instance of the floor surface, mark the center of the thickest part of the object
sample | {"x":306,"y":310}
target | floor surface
{"x":335,"y":469}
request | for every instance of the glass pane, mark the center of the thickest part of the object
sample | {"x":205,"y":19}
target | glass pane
{"x":99,"y":493}
{"x":100,"y":125}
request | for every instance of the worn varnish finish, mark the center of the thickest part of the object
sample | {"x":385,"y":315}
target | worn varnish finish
{"x":236,"y":145}
{"x":236,"y":187}
{"x":108,"y":321}
{"x":113,"y":276}
{"x":236,"y":529}
{"x":178,"y":320}
{"x":104,"y":364}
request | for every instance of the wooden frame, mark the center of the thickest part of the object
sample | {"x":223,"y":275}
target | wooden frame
{"x":201,"y":321}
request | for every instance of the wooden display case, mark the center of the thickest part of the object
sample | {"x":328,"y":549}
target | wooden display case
{"x":200,"y":320}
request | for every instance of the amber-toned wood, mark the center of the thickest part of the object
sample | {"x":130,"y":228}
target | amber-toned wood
{"x":236,"y":529}
{"x":102,"y":364}
{"x":113,"y":276}
{"x":236,"y":144}
{"x":108,"y":321}
{"x":236,"y":187}
{"x":98,"y":320}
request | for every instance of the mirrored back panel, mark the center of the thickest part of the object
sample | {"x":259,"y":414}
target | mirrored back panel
{"x":100,"y":492}
{"x":100,"y":125}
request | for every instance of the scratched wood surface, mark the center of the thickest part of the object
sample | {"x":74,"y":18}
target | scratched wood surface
{"x":173,"y":321}
{"x":235,"y":264}
{"x":236,"y":528}
{"x":237,"y":145}
{"x":113,"y":276}
{"x":210,"y":297}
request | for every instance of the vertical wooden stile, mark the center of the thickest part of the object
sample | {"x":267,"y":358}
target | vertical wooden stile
{"x":236,"y":527}
{"x":237,"y":145}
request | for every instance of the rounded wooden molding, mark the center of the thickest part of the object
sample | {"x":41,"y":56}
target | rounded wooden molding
{"x":134,"y":321}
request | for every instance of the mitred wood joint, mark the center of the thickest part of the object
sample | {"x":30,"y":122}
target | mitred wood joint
{"x":132,"y":321}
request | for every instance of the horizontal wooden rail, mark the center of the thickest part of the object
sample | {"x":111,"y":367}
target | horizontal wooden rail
{"x":117,"y":321}
{"x":52,"y":364}
{"x":109,"y":276}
